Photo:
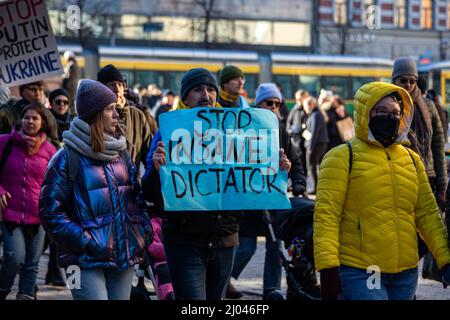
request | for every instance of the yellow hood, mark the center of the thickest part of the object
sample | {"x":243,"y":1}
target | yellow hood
{"x":366,"y":97}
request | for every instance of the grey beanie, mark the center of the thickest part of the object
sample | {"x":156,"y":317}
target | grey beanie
{"x":5,"y":94}
{"x":404,"y":66}
{"x":92,"y":97}
{"x":265,"y":91}
{"x":195,"y":77}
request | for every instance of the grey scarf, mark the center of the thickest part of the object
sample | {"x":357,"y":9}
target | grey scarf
{"x":79,"y":138}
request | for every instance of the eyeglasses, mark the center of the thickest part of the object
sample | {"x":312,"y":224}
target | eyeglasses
{"x":271,"y":103}
{"x":35,"y":88}
{"x":62,"y":102}
{"x":389,"y":115}
{"x":238,"y":79}
{"x":406,"y":80}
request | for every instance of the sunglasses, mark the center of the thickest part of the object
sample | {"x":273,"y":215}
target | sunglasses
{"x":61,"y":102}
{"x":271,"y":103}
{"x":405,"y":81}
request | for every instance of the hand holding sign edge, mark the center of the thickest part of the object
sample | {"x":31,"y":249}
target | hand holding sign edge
{"x":159,"y":157}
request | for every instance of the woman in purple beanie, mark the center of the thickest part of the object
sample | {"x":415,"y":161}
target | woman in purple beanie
{"x":90,"y":203}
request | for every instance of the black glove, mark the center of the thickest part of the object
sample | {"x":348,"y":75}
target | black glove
{"x":97,"y":251}
{"x":445,"y":271}
{"x":298,"y":189}
{"x":330,"y":284}
{"x":148,"y":234}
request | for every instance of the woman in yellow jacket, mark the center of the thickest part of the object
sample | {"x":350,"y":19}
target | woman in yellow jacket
{"x":373,"y":196}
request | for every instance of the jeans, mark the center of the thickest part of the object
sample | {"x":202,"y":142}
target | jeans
{"x":199,"y":273}
{"x":102,"y":284}
{"x":272,"y":266}
{"x":392,"y":286}
{"x":21,"y":254}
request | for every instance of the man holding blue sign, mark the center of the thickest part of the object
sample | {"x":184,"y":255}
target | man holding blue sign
{"x":199,"y":236}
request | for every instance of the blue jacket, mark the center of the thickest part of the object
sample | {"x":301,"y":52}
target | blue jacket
{"x":100,"y":221}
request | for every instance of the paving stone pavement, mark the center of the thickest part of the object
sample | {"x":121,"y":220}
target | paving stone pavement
{"x":250,"y":282}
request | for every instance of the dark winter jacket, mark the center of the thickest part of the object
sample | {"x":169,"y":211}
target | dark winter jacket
{"x":427,"y":139}
{"x":318,"y":128}
{"x":332,"y":129}
{"x":98,"y":221}
{"x":137,"y":131}
{"x":63,"y":122}
{"x":296,"y":124}
{"x":213,"y":229}
{"x":253,"y":222}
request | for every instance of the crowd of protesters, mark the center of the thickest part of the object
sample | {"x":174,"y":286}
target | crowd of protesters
{"x":80,"y":174}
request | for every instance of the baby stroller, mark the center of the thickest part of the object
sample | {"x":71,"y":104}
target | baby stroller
{"x":295,"y":227}
{"x":154,"y":268}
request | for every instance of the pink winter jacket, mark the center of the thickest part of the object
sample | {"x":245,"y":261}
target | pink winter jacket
{"x":22,"y":177}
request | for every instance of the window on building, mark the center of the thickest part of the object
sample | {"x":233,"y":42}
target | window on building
{"x":427,"y":14}
{"x":250,"y":85}
{"x":340,"y":14}
{"x":400,"y":13}
{"x":310,"y":84}
{"x":358,"y":82}
{"x":368,"y":3}
{"x":285,"y":82}
{"x":147,"y":77}
{"x":174,"y":81}
{"x":339,"y":86}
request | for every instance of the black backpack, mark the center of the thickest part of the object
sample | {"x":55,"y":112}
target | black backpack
{"x":6,"y":152}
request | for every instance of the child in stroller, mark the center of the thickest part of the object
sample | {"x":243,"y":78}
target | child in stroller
{"x":295,"y":227}
{"x":155,"y":267}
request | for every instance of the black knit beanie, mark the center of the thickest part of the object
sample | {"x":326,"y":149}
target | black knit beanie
{"x":195,"y":77}
{"x":57,"y":92}
{"x":109,"y":73}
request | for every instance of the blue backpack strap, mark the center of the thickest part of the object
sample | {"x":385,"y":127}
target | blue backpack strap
{"x":350,"y":157}
{"x":72,"y":162}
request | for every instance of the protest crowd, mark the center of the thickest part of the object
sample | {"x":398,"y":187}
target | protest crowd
{"x":93,"y":172}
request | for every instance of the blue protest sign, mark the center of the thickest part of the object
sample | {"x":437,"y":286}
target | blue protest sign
{"x":222,"y":159}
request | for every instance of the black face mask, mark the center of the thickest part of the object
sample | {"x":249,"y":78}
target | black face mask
{"x":384,"y":129}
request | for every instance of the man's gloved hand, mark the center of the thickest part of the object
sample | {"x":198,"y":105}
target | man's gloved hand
{"x":446,"y":275}
{"x":298,"y":189}
{"x":440,"y":199}
{"x":330,"y":284}
{"x":148,"y":234}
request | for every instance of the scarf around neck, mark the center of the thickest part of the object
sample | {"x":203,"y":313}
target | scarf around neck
{"x":33,"y":143}
{"x":79,"y":138}
{"x":182,"y":106}
{"x":228,"y":99}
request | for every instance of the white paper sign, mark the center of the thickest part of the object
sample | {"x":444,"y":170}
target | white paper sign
{"x":28,"y":50}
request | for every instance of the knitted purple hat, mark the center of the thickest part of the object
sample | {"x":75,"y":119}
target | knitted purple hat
{"x":92,"y":97}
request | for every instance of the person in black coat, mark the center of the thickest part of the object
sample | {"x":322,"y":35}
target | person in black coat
{"x":253,"y":224}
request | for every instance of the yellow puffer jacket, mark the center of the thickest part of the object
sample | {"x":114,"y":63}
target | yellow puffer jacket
{"x":370,"y":216}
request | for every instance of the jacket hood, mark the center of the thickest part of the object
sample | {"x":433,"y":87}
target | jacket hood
{"x":366,"y":97}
